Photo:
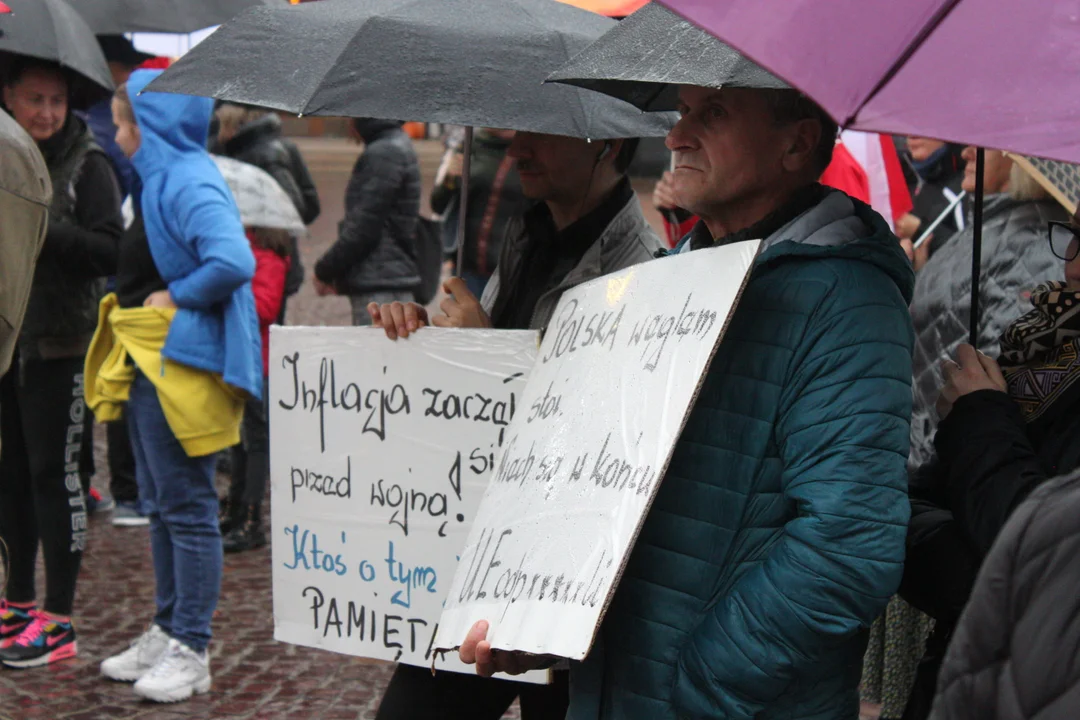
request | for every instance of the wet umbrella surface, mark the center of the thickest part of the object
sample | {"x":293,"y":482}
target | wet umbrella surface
{"x":466,"y":62}
{"x":164,"y":16}
{"x":650,"y":53}
{"x":51,"y":30}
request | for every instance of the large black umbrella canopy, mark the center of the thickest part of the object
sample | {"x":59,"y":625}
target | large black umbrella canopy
{"x":648,"y":55}
{"x":51,"y":30}
{"x":465,"y":62}
{"x":111,"y":17}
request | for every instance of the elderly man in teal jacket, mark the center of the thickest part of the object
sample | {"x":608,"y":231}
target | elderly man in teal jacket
{"x":777,"y":535}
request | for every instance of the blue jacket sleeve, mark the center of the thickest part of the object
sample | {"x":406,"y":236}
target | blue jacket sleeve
{"x":210,"y":223}
{"x":842,"y":435}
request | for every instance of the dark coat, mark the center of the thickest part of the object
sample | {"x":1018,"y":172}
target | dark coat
{"x":988,"y":461}
{"x":489,"y":216}
{"x":81,"y":247}
{"x":376,"y":246}
{"x":1016,"y":258}
{"x":1013,"y":656}
{"x":776,"y":536}
{"x":259,"y":143}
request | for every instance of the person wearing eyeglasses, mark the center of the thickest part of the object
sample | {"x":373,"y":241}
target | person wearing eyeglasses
{"x":1008,"y":426}
{"x":1014,"y":259}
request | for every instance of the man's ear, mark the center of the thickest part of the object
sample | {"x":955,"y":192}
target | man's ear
{"x":803,"y":140}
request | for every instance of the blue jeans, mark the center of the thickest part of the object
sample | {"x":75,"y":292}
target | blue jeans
{"x":179,"y":496}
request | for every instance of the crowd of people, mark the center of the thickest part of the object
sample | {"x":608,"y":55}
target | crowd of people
{"x":875,"y":310}
{"x":860,"y":500}
{"x":149,"y":308}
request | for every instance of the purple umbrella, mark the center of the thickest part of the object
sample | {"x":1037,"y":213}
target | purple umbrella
{"x":991,"y":73}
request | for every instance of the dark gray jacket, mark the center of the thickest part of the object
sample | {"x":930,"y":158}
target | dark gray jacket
{"x":628,"y":240}
{"x":259,"y":143}
{"x":376,"y":249}
{"x":1016,"y":258}
{"x":1014,"y":653}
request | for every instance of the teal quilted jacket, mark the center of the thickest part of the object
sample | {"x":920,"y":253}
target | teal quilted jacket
{"x":777,"y":535}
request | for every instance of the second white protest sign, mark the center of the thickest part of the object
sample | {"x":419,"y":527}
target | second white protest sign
{"x":616,"y":376}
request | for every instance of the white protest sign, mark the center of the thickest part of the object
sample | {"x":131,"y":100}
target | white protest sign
{"x":617,"y":374}
{"x":380,"y":453}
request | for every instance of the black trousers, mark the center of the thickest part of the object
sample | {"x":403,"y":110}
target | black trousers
{"x":415,"y":694}
{"x":122,"y":485}
{"x":45,"y":431}
{"x":251,"y":458}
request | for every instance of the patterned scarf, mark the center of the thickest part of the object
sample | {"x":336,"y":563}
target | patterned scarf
{"x":1040,"y":352}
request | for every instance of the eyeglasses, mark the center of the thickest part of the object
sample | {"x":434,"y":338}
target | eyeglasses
{"x":1064,"y":240}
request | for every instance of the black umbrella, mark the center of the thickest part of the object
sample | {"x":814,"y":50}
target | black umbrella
{"x":51,"y":30}
{"x":165,"y":16}
{"x":461,"y":62}
{"x":479,"y":63}
{"x":651,"y":52}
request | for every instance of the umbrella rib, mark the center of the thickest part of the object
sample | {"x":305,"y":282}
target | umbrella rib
{"x":939,"y":17}
{"x":306,"y":109}
{"x":661,"y":88}
{"x":56,"y":25}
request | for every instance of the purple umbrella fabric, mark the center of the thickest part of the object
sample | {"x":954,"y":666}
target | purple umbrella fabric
{"x":1001,"y":74}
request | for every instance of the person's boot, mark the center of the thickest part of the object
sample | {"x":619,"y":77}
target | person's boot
{"x":248,"y":535}
{"x":226,"y":515}
{"x":232,"y":513}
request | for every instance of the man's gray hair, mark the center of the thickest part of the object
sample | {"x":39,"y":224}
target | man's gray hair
{"x":790,"y":106}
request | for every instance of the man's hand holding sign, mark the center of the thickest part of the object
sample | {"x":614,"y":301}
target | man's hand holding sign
{"x":461,"y":309}
{"x":616,"y":374}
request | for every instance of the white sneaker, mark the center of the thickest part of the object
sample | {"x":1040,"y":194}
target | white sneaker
{"x":143,"y":654}
{"x":180,"y":673}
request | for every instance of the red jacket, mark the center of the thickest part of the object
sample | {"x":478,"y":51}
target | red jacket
{"x":268,"y":286}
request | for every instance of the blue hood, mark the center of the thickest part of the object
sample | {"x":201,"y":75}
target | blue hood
{"x":196,"y":238}
{"x":173,"y":127}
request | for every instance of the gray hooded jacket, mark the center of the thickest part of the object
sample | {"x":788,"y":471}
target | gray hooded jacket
{"x":627,"y":240}
{"x":1016,"y":257}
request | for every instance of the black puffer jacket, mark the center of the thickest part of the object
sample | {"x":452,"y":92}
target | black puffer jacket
{"x":1014,"y":653}
{"x":376,"y":240}
{"x":259,"y":143}
{"x":988,"y":462}
{"x":81,"y":246}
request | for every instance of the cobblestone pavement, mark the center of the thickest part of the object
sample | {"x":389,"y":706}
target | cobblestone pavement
{"x":254,"y":676}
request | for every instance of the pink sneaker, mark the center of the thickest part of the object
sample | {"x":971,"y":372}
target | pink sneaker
{"x":13,"y":620}
{"x":43,"y":641}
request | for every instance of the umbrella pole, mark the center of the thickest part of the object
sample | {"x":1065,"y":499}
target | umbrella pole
{"x":976,"y":246}
{"x":466,"y":168}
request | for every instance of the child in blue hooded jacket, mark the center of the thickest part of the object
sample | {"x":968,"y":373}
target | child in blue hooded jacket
{"x":183,"y":317}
